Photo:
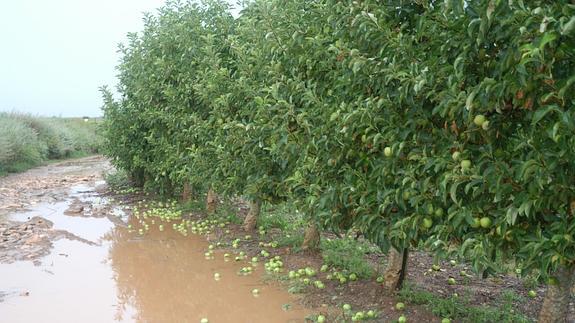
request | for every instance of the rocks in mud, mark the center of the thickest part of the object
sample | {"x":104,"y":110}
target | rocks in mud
{"x":30,"y":240}
{"x":76,"y":208}
{"x":24,"y":241}
{"x":19,"y":191}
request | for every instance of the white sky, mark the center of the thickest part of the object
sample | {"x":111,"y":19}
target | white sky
{"x":55,"y":54}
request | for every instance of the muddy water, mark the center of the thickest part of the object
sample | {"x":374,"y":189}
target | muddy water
{"x":124,"y":277}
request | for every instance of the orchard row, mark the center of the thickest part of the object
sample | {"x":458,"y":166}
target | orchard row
{"x":444,"y":124}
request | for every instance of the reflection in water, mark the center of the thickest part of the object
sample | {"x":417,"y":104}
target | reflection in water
{"x":158,"y":277}
{"x":165,"y":277}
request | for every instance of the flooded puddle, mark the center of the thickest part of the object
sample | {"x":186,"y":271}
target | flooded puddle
{"x":159,"y":277}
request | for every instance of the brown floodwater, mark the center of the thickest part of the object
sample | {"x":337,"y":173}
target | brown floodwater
{"x":158,"y":277}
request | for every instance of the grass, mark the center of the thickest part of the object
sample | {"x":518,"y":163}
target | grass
{"x":118,"y":180}
{"x":282,"y":216}
{"x":459,"y":308}
{"x":347,"y":254}
{"x":27,"y":141}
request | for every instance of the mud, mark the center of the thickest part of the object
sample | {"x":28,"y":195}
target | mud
{"x":48,"y":184}
{"x":67,"y":255}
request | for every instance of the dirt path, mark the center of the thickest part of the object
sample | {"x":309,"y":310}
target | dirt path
{"x":49,"y":183}
{"x":68,"y":255}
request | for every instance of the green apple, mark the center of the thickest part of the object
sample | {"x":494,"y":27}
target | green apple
{"x":446,"y":320}
{"x":346,"y":307}
{"x":379,"y":279}
{"x":476,"y":223}
{"x":465,"y":164}
{"x":485,"y":222}
{"x":451,"y":281}
{"x":406,"y":195}
{"x":532,"y":294}
{"x":436,"y":267}
{"x":387,"y":151}
{"x":479,"y":120}
{"x":352,"y":276}
{"x":402,"y":319}
{"x":320,"y":319}
{"x":400,"y":306}
{"x":310,"y":271}
{"x":438,"y":212}
{"x":455,"y":156}
{"x":427,"y":223}
{"x":371,"y":313}
{"x":255,"y":291}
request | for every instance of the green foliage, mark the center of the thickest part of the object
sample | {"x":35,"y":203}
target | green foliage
{"x":347,"y":254}
{"x":413,"y":121}
{"x":27,"y":141}
{"x":460,"y":309}
{"x":281,"y":216}
{"x":118,"y":179}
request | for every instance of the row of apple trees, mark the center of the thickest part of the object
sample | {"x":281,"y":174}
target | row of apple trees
{"x":444,"y":123}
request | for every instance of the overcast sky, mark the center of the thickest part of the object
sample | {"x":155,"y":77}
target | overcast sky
{"x":55,"y":54}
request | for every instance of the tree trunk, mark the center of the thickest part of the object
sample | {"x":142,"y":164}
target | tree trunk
{"x":311,"y":238}
{"x":211,"y":202}
{"x":251,"y":219}
{"x":556,"y":304}
{"x":187,"y":192}
{"x":396,"y":270}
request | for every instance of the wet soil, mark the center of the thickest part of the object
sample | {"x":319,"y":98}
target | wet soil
{"x":68,"y":255}
{"x":368,"y":294}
